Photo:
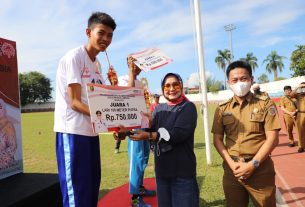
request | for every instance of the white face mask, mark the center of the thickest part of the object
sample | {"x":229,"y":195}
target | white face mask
{"x":241,"y":89}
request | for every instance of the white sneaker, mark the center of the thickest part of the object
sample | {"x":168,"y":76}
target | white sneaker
{"x":116,"y":151}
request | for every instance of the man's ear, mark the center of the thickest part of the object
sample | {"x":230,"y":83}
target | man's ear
{"x":88,"y":32}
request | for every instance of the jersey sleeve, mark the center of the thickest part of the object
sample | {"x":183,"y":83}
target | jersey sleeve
{"x":74,"y":72}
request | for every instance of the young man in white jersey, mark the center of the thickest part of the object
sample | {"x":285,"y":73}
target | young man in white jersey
{"x":77,"y":146}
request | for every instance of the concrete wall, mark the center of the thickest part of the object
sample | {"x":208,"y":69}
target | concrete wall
{"x":37,"y":107}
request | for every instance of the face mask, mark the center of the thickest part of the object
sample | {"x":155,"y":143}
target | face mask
{"x":241,"y":89}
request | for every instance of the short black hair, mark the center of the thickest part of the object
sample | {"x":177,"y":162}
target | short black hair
{"x":98,"y":112}
{"x":101,"y":18}
{"x":287,"y":88}
{"x":239,"y":64}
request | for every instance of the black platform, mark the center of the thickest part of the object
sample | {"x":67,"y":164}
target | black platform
{"x":30,"y":190}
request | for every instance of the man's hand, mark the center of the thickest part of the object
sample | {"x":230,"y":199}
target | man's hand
{"x":139,"y":135}
{"x":121,"y":134}
{"x":244,"y":170}
{"x":133,"y":68}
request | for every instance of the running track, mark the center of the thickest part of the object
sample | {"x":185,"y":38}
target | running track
{"x":290,"y":170}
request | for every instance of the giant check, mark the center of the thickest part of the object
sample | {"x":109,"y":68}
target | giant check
{"x":111,"y":106}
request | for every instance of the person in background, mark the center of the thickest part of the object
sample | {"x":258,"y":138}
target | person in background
{"x":251,"y":126}
{"x":257,"y":90}
{"x":155,"y":103}
{"x":77,"y":146}
{"x":117,"y":146}
{"x":172,"y":132}
{"x":289,"y":107}
{"x":138,"y":151}
{"x":299,"y":94}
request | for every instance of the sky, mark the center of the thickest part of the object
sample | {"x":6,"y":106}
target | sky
{"x":45,"y":30}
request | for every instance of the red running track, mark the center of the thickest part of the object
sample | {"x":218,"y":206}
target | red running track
{"x":290,"y":169}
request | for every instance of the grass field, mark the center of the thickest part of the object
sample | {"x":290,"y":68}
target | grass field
{"x":39,"y":156}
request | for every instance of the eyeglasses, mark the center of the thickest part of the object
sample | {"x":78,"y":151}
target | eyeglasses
{"x":175,"y":85}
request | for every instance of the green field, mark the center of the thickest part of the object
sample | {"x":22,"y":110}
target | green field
{"x":39,"y":157}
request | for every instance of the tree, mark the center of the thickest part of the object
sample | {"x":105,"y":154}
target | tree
{"x":297,"y":64}
{"x":213,"y":85}
{"x":274,"y":63}
{"x":263,"y":79}
{"x":280,"y":78}
{"x":251,"y":59}
{"x":34,"y":87}
{"x":223,"y":59}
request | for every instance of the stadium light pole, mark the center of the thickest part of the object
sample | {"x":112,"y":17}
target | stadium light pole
{"x":197,"y":20}
{"x":229,"y":28}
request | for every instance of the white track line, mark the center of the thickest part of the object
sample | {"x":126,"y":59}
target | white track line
{"x":293,"y":196}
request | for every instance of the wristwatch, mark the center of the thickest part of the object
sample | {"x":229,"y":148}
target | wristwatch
{"x":255,"y":163}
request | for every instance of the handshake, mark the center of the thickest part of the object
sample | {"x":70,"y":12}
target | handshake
{"x":141,"y":134}
{"x":122,"y":135}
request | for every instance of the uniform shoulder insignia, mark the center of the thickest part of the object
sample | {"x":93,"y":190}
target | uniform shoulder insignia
{"x":225,"y":102}
{"x":272,"y":110}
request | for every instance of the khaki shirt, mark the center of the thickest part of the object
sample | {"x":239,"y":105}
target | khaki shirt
{"x":245,"y":125}
{"x":288,"y":103}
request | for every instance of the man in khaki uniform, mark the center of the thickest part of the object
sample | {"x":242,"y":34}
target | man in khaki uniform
{"x":299,"y":94}
{"x":251,"y":126}
{"x":289,"y":106}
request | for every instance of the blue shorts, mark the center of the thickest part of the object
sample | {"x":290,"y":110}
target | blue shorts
{"x":79,"y":169}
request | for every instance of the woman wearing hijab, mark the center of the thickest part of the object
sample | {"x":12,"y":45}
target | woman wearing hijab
{"x":172,"y":132}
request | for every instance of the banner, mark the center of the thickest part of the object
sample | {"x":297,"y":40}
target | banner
{"x":10,"y":113}
{"x":111,"y":106}
{"x":150,"y":59}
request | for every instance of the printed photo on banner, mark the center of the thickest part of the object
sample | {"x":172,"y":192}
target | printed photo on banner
{"x":150,"y":59}
{"x":11,"y":161}
{"x":111,"y":106}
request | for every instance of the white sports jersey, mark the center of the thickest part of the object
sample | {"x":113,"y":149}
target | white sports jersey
{"x":74,"y":67}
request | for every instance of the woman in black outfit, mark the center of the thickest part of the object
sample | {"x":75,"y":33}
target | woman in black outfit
{"x":172,"y":134}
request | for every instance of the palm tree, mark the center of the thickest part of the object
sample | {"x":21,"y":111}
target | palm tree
{"x":222,"y":59}
{"x":300,"y":47}
{"x":274,"y":63}
{"x":263,"y":79}
{"x":251,"y":59}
